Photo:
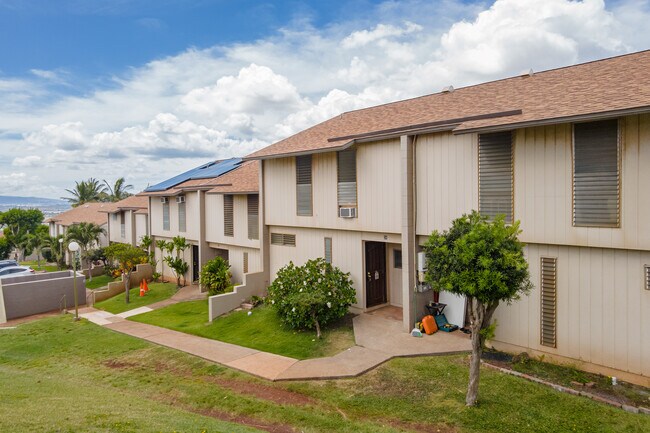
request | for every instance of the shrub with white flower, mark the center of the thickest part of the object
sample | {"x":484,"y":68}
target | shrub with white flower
{"x":311,"y":296}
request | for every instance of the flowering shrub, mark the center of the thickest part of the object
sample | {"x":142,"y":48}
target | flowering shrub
{"x":312,"y":295}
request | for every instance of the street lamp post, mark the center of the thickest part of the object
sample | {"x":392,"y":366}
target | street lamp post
{"x":74,"y":247}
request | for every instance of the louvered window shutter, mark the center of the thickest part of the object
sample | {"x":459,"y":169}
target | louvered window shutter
{"x":283,"y":239}
{"x":182,"y":225}
{"x":596,"y":177}
{"x":166,"y":216}
{"x":245,"y":259}
{"x":228,"y":216}
{"x":303,"y":185}
{"x":253,"y":216}
{"x":347,"y":177}
{"x":646,"y":270}
{"x":495,"y":174}
{"x":548,"y":290}
{"x":328,"y":250}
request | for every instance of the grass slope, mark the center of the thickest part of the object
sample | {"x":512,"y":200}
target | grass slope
{"x":99,"y":281}
{"x":262,"y":330}
{"x":58,"y":375}
{"x":44,"y":266}
{"x":157,"y":292}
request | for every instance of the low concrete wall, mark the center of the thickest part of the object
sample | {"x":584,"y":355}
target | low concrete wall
{"x":39,"y":293}
{"x":95,"y":271}
{"x":221,"y":304}
{"x":144,"y":271}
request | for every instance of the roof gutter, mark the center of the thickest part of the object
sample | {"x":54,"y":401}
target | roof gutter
{"x":602,"y":115}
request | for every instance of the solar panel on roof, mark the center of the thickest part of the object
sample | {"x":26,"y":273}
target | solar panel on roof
{"x":205,"y":171}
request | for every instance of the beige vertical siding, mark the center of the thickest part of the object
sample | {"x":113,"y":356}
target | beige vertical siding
{"x":192,"y":217}
{"x":140,"y":226}
{"x":378,"y":190}
{"x":115,"y":228}
{"x":543,"y":187}
{"x":347,"y":252}
{"x":446,"y":168}
{"x":214,"y":221}
{"x":394,"y":276}
{"x":236,"y":261}
{"x":602,"y":308}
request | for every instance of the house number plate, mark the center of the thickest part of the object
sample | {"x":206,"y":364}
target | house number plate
{"x":376,"y":275}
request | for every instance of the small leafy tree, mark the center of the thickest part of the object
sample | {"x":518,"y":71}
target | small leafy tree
{"x":5,"y":248}
{"x":18,"y":225}
{"x":162,"y":246}
{"x":215,"y":276}
{"x":311,"y":296}
{"x":179,"y":266}
{"x":127,"y":257}
{"x":38,"y":241}
{"x":483,"y":261}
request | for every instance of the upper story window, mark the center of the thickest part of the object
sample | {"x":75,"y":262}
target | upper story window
{"x":303,"y":186}
{"x":596,"y":174}
{"x":122,"y":224}
{"x":182,"y":214}
{"x":347,"y":178}
{"x":253,"y":216}
{"x":228,"y":216}
{"x":165,"y":206}
{"x":495,"y":175}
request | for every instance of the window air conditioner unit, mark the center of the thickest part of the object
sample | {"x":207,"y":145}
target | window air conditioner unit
{"x":164,"y":199}
{"x":180,"y":199}
{"x":348,"y":212}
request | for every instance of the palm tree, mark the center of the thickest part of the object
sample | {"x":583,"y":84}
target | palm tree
{"x":90,"y":190}
{"x":87,"y":235}
{"x":119,"y":191}
{"x":38,"y":241}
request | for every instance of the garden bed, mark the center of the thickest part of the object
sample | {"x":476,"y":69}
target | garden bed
{"x":571,"y":377}
{"x":262,"y":330}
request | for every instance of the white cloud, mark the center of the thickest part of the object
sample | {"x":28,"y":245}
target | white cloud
{"x":27,"y":161}
{"x":176,"y":112}
{"x":381,"y":32}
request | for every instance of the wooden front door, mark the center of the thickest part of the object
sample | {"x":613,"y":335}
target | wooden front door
{"x":375,"y":273}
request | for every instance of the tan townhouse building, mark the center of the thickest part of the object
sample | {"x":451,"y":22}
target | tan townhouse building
{"x":127,"y":220}
{"x":564,"y":151}
{"x":212,"y":207}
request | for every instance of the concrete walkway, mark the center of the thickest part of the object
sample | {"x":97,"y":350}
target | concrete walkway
{"x":378,"y":340}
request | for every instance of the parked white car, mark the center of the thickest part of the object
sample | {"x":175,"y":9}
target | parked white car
{"x":15,"y":271}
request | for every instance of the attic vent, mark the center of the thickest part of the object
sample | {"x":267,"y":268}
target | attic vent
{"x":527,"y":73}
{"x":448,"y":89}
{"x":646,"y":268}
{"x":548,"y":298}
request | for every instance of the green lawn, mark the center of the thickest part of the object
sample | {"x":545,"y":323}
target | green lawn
{"x":157,"y":292}
{"x":60,"y":375}
{"x":262,"y":330}
{"x":48,"y":267}
{"x":99,"y":281}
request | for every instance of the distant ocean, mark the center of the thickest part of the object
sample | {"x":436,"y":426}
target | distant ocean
{"x":49,"y":207}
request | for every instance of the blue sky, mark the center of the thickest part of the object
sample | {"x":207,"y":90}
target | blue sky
{"x":146,"y":89}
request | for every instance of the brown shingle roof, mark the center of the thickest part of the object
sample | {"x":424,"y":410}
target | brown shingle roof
{"x":134,"y":202}
{"x":244,"y":179}
{"x":609,"y":85}
{"x":89,"y":212}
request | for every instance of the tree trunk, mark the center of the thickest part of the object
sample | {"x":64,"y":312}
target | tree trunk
{"x":127,"y":282}
{"x":477,"y":313}
{"x":313,"y":316}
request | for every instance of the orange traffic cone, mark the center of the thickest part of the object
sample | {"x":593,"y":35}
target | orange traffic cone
{"x":142,"y":292}
{"x":144,"y":284}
